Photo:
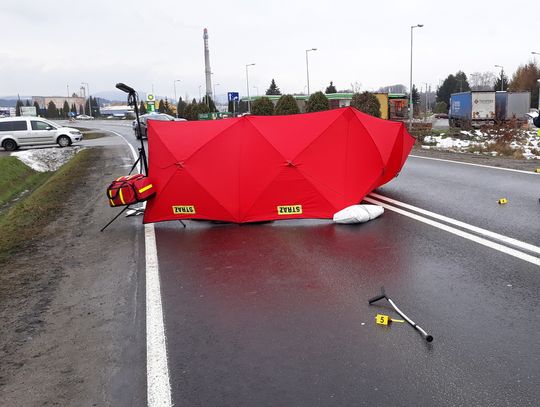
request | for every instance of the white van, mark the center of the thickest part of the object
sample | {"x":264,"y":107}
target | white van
{"x":27,"y":131}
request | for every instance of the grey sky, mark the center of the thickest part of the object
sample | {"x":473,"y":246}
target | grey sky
{"x":49,"y":44}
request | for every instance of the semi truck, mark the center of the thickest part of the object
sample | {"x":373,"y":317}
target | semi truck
{"x":468,"y":109}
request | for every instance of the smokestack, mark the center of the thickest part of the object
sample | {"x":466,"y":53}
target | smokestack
{"x":207,"y":70}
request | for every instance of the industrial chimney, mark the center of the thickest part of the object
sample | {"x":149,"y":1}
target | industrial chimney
{"x":207,"y":70}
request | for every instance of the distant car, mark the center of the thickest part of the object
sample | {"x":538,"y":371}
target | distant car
{"x":152,"y":116}
{"x":84,"y":117}
{"x":26,"y":131}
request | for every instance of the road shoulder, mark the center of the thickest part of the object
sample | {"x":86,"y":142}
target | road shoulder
{"x":72,"y":305}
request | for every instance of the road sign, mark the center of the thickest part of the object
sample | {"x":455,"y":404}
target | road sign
{"x":231,"y":96}
{"x":150,"y":97}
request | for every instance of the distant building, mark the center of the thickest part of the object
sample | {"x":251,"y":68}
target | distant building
{"x":43,"y":101}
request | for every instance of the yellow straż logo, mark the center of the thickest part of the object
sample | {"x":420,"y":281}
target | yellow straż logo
{"x":289,"y":209}
{"x":183,"y":209}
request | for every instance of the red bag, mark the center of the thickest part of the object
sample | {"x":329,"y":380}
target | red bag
{"x":130,"y":189}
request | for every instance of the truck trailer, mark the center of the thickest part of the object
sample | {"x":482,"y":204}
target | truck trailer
{"x":469,"y":109}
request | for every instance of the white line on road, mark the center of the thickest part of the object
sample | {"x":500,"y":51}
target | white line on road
{"x":475,"y":165}
{"x":488,"y":243}
{"x":487,"y":233}
{"x":157,"y":368}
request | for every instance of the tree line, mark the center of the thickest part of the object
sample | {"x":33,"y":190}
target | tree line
{"x":523,"y":80}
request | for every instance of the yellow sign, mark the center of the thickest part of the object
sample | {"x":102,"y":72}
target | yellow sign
{"x":382,"y":319}
{"x":289,"y":209}
{"x":183,"y":210}
{"x":150,"y":97}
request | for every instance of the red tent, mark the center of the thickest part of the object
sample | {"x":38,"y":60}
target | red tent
{"x":271,"y":167}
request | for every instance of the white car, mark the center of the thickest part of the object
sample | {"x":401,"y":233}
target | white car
{"x":16,"y":132}
{"x":84,"y":117}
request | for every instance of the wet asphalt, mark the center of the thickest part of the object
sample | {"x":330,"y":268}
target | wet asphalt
{"x":276,"y":314}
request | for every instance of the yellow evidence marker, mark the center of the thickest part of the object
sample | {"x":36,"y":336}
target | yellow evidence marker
{"x":503,"y":201}
{"x":385,"y":319}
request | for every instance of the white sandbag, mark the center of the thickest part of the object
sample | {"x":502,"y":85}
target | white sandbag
{"x":358,"y":214}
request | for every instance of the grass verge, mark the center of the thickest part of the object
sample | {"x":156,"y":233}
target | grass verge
{"x":25,"y":220}
{"x":16,"y":177}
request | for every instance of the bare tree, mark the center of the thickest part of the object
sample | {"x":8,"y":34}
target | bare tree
{"x":482,"y":80}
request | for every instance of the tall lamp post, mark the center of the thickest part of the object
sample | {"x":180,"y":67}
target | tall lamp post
{"x":89,"y":100}
{"x":502,"y":76}
{"x":410,"y":82}
{"x":175,"y":97}
{"x":307,"y":67}
{"x":247,"y":85}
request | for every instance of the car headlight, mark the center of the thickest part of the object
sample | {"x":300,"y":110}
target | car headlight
{"x":76,"y":132}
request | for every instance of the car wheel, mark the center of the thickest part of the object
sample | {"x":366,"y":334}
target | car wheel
{"x":10,"y":145}
{"x":63,"y":141}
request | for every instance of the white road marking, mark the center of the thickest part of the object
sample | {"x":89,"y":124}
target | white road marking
{"x":488,"y":243}
{"x":157,"y":368}
{"x":487,"y":233}
{"x":135,"y":155}
{"x":475,"y":165}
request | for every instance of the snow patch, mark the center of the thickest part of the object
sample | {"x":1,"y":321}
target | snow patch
{"x":46,"y":159}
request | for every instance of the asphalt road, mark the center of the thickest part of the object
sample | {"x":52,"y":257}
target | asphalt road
{"x":276,"y":314}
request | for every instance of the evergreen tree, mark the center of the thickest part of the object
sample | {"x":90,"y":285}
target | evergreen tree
{"x":415,"y":100}
{"x":452,"y":84}
{"x":18,"y":107}
{"x":95,"y":107}
{"x":262,"y":107}
{"x":161,"y":106}
{"x":38,"y":110}
{"x":207,"y":100}
{"x":273,"y":89}
{"x":27,"y":103}
{"x":331,"y":88}
{"x":52,"y":112}
{"x":142,"y":108}
{"x":180,"y":108}
{"x":440,"y":107}
{"x":318,"y":102}
{"x":367,"y":102}
{"x":286,"y":105}
{"x":73,"y":108}
{"x":65,"y":109}
{"x":81,"y":110}
{"x":497,"y":85}
{"x":188,"y":111}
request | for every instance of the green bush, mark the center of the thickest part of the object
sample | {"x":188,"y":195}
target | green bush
{"x":367,"y":102}
{"x":262,"y":107}
{"x":286,"y":105}
{"x":317,"y":103}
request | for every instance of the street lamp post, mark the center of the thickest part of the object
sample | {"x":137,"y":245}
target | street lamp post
{"x":247,"y":85}
{"x":502,"y":77}
{"x":89,"y":100}
{"x":307,"y":67}
{"x":175,"y":97}
{"x":411,"y":107}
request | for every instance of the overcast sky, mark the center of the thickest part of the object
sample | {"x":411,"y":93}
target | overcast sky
{"x":49,"y":44}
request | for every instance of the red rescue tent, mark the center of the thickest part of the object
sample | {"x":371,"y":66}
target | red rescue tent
{"x":258,"y":168}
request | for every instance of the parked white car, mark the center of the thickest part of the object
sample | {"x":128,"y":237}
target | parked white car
{"x":16,"y":132}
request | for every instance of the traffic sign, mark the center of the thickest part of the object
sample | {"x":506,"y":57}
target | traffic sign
{"x":232,"y":96}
